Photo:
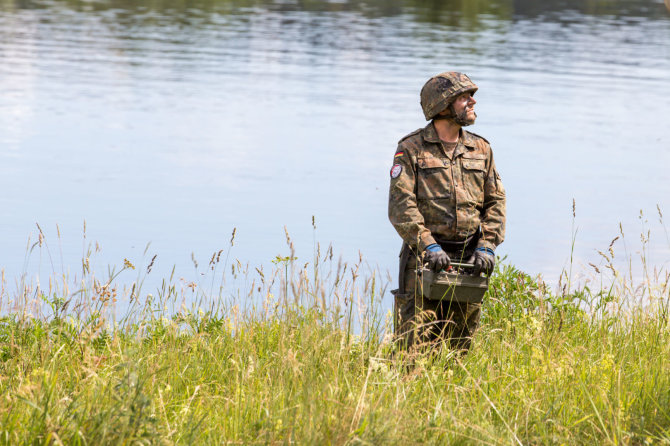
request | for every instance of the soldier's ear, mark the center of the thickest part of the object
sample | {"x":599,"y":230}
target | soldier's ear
{"x":446,"y":113}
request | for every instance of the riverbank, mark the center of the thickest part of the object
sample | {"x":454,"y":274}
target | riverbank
{"x":312,"y":363}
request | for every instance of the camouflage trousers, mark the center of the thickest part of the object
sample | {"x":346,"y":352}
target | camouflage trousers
{"x":423,"y":323}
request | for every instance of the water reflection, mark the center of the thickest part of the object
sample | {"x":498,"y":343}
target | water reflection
{"x":450,"y":12}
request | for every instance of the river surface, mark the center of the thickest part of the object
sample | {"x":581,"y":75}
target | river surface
{"x":170,"y":124}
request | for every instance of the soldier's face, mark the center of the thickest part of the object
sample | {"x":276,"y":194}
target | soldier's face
{"x":464,"y":108}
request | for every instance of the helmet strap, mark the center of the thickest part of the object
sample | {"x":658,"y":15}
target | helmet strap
{"x":461,"y":119}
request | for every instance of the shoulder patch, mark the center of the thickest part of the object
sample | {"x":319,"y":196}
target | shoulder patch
{"x":396,"y":170}
{"x":409,"y":135}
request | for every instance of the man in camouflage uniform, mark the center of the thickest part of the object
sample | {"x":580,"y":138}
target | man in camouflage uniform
{"x":448,"y":204}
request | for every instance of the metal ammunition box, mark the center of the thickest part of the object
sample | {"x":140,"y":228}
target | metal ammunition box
{"x":452,"y":286}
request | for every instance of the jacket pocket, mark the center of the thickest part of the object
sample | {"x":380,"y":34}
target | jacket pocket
{"x":474,"y":164}
{"x":474,"y":173}
{"x":433,"y":178}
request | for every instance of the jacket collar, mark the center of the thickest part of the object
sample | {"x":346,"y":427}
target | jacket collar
{"x":468,"y":139}
{"x":430,"y":135}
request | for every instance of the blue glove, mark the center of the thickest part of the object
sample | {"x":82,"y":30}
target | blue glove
{"x":436,"y":257}
{"x":485,"y":260}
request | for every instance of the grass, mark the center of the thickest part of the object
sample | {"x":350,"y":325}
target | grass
{"x":302,"y":354}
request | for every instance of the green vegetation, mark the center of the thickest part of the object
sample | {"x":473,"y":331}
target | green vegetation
{"x":308,"y":360}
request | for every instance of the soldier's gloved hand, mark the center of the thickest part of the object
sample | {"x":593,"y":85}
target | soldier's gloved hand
{"x":484,"y":260}
{"x":437,"y":258}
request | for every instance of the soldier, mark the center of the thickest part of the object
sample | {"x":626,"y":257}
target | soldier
{"x":447,"y":203}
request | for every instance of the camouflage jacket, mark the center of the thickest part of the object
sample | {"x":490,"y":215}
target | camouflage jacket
{"x":436,"y":195}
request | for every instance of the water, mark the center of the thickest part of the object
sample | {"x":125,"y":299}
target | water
{"x":162,"y":123}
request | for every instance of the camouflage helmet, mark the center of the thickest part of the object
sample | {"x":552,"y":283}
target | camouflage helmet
{"x":441,"y":90}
